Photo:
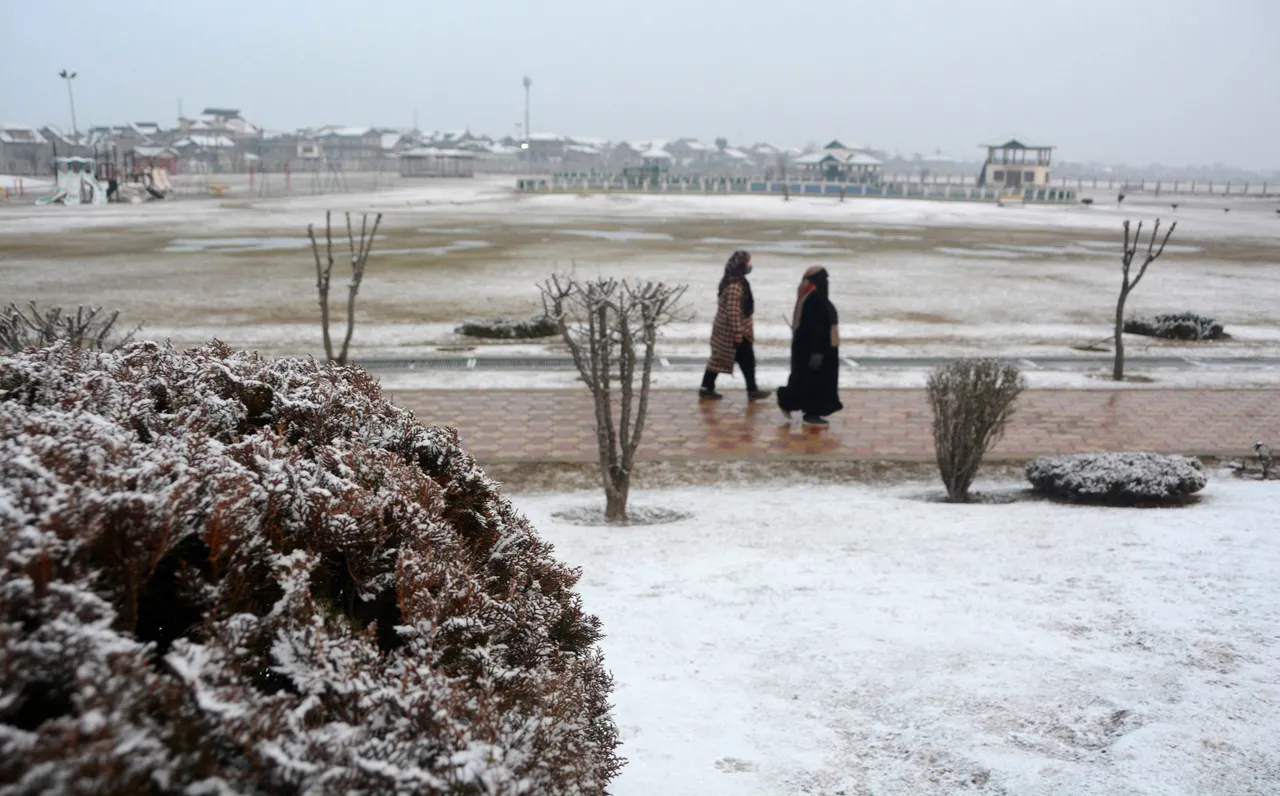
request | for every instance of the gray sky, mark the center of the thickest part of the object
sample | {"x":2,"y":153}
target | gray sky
{"x":1139,"y":81}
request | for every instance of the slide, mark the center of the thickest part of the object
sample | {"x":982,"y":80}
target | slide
{"x":57,"y":196}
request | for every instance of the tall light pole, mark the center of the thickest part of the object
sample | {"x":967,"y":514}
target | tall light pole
{"x":528,"y":151}
{"x":69,"y":76}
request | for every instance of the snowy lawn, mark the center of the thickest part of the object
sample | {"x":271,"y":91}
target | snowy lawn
{"x":862,"y":640}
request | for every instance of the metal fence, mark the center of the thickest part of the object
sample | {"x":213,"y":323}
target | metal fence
{"x":563,"y":183}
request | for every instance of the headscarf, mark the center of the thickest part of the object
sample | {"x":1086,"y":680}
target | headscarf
{"x":736,"y":271}
{"x":814,"y":281}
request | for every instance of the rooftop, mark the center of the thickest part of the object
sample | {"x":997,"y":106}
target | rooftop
{"x":20,"y":134}
{"x":1014,"y":143}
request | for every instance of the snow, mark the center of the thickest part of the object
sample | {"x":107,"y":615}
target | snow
{"x":1119,"y":477}
{"x":909,"y":277}
{"x":28,"y":183}
{"x":827,"y":638}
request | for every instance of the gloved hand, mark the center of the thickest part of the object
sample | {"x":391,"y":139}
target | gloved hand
{"x":815,"y":361}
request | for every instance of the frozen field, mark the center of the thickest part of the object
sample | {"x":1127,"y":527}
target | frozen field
{"x":856,"y":640}
{"x":916,"y":277}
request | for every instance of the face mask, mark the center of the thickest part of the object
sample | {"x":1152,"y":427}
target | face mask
{"x":749,"y":270}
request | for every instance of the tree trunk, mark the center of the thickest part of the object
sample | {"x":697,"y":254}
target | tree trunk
{"x":1117,"y":370}
{"x":616,"y":491}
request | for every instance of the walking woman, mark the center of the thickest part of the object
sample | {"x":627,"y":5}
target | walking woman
{"x":733,"y":333}
{"x":815,"y":354}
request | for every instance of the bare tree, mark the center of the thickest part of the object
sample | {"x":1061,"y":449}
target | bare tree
{"x":34,"y":327}
{"x":1127,"y":285}
{"x":972,"y":400}
{"x":359,"y":251}
{"x":782,"y":175}
{"x":611,"y":328}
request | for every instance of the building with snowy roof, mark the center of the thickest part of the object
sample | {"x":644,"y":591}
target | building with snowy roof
{"x":839,"y":163}
{"x":24,"y":151}
{"x":1014,"y":164}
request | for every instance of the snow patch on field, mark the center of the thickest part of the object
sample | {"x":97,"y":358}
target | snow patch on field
{"x":834,"y":638}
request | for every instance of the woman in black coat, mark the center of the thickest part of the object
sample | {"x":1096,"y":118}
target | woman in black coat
{"x":815,"y":354}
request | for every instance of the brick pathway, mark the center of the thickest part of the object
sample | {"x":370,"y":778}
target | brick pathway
{"x":556,"y":425}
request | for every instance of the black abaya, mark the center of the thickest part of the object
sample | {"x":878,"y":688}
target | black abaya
{"x":813,"y":390}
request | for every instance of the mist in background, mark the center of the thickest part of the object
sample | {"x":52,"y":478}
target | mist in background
{"x":1134,"y":81}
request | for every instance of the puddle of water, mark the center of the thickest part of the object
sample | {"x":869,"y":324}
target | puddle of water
{"x":447,"y":231}
{"x":615,"y":234}
{"x":1050,"y":250}
{"x":800,"y":247}
{"x":835,"y":233}
{"x":990,"y":253}
{"x":234,"y":245}
{"x":1172,"y":248}
{"x":436,"y":251}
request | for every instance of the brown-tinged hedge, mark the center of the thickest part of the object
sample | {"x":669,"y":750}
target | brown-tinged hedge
{"x":223,"y":574}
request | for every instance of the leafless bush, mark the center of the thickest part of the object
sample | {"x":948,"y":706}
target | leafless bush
{"x":33,"y":327}
{"x":611,"y":328}
{"x":359,"y":258}
{"x":972,"y":401}
{"x":1127,"y":285}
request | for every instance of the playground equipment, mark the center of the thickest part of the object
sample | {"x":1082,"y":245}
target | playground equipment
{"x":76,"y":183}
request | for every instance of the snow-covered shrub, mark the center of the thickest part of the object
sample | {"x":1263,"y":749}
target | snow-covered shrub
{"x":533,"y":328}
{"x":221,"y":574}
{"x":972,"y":401}
{"x":1117,"y":478}
{"x":1175,"y":326}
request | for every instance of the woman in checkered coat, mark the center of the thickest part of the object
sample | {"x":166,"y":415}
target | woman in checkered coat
{"x":733,"y":333}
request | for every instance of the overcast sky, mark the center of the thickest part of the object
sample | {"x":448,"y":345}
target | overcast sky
{"x":1138,"y":81}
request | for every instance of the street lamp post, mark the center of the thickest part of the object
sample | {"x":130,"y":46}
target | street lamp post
{"x":69,"y":76}
{"x":528,"y":150}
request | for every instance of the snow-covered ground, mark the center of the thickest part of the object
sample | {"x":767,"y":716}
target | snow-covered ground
{"x":910,"y":277}
{"x":30,"y":186}
{"x":834,"y":639}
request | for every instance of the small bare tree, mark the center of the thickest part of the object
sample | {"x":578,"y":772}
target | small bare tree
{"x":611,"y":328}
{"x":1127,"y":285}
{"x":972,"y":400}
{"x":782,"y":175}
{"x":359,"y":251}
{"x":34,"y":327}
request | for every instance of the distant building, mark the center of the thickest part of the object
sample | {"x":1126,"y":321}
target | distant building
{"x":146,"y":157}
{"x":840,"y":163}
{"x":1014,"y":164}
{"x":356,"y":148}
{"x":545,"y":148}
{"x":433,"y":162}
{"x":657,"y":160}
{"x":24,"y":151}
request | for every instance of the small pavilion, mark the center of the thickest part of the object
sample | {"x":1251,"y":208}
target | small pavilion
{"x":1014,"y":164}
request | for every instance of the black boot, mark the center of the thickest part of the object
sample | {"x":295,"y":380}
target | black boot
{"x":708,"y":390}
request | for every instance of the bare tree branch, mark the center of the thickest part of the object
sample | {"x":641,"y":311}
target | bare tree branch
{"x":1127,"y":285}
{"x":33,"y":327}
{"x":603,"y":321}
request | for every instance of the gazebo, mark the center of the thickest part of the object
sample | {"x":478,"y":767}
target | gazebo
{"x":1014,"y":164}
{"x":433,"y":162}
